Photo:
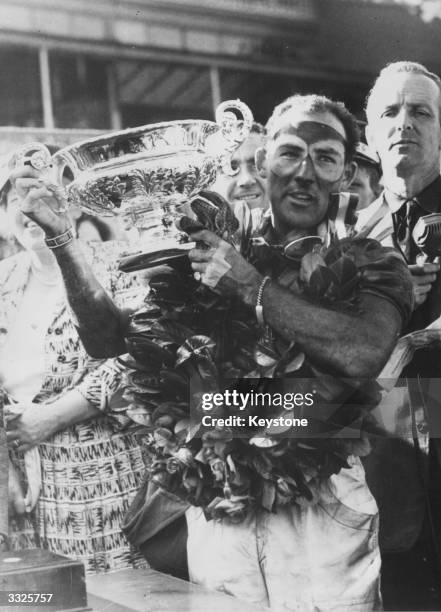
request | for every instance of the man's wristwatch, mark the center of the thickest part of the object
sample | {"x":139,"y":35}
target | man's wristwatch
{"x":60,"y":240}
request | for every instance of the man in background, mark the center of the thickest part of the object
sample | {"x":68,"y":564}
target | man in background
{"x":403,"y":113}
{"x":366,"y":183}
{"x":244,"y":188}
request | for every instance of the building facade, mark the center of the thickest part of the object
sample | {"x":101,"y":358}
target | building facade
{"x":111,"y":64}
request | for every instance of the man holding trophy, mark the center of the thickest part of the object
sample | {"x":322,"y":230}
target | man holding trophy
{"x":297,"y":525}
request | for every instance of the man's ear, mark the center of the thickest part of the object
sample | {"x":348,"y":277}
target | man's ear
{"x":260,"y":160}
{"x":348,"y":175}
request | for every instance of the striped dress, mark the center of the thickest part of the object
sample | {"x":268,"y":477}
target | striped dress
{"x":90,"y":471}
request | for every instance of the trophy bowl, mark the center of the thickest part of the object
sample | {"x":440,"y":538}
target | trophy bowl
{"x":147,"y":175}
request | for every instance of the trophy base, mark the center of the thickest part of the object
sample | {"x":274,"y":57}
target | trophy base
{"x":142,"y":260}
{"x":38,"y":579}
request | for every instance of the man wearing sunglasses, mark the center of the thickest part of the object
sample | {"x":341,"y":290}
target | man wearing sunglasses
{"x":323,"y":554}
{"x":307,"y":159}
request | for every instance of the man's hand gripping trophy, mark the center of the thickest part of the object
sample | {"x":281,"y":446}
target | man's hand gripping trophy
{"x":42,"y":199}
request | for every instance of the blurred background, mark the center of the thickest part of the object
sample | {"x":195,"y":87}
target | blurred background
{"x":72,"y":68}
{"x":110,"y":64}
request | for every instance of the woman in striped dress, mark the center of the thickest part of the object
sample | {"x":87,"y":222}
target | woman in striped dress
{"x":79,"y":467}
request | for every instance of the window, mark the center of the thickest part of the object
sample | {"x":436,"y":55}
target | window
{"x":151,"y":92}
{"x":79,"y":91}
{"x":20,"y":95}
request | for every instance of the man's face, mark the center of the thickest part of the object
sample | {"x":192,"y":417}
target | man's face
{"x":361,"y":185}
{"x":246,"y":185}
{"x":305,"y":163}
{"x":404,"y":125}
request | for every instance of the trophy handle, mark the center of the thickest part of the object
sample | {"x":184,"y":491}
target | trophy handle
{"x":38,"y":156}
{"x":235,"y":121}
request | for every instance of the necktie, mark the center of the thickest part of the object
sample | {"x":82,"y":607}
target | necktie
{"x":405,"y":219}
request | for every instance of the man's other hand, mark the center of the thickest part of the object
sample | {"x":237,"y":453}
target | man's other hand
{"x":40,"y":200}
{"x":423,"y":277}
{"x":29,"y":424}
{"x":223,"y":269}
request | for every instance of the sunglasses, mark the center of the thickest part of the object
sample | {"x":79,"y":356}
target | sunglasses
{"x":294,"y":249}
{"x":327,"y":168}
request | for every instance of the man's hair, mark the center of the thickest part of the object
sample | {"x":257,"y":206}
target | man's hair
{"x":313,"y":103}
{"x":399,"y":68}
{"x":258,"y":128}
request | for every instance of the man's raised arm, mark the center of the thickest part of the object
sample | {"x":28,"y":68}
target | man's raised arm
{"x":100,"y":323}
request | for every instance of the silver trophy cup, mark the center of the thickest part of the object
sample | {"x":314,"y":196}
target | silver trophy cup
{"x":147,"y":174}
